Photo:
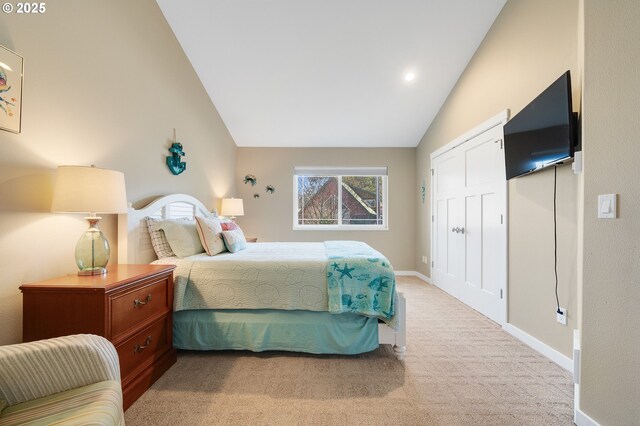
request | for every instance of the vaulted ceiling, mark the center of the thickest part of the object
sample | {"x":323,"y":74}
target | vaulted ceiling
{"x":329,"y":73}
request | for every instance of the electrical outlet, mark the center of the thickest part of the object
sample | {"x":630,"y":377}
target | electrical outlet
{"x":424,"y":259}
{"x":562,"y":317}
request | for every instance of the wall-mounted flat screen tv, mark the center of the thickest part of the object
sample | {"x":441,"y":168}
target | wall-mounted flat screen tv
{"x":542,"y":134}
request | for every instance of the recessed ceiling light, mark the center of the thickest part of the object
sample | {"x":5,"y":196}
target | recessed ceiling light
{"x":409,"y":76}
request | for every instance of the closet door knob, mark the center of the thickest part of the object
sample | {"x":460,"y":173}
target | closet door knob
{"x":461,"y":230}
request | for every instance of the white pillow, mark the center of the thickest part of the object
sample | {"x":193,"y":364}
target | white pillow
{"x":181,"y":235}
{"x":210,"y":233}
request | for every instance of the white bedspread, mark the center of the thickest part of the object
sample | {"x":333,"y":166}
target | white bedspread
{"x":286,"y":276}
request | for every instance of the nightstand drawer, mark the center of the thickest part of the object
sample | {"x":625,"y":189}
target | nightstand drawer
{"x":132,"y":307}
{"x":151,"y":342}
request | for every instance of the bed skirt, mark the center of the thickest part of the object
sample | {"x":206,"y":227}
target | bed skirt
{"x":274,"y":330}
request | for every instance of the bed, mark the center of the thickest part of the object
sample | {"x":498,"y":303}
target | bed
{"x":270,"y":296}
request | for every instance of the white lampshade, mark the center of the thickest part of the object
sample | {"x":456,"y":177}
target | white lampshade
{"x":83,"y":189}
{"x":232,"y":207}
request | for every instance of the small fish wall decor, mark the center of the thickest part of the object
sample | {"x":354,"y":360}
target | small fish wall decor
{"x":256,"y":195}
{"x":424,"y":190}
{"x":174,"y":160}
{"x":250,"y":179}
{"x":270,"y":189}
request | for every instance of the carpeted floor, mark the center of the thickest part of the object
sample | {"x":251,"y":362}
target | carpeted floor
{"x":460,"y":369}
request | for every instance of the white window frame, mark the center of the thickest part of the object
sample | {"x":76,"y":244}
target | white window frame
{"x":339,"y":172}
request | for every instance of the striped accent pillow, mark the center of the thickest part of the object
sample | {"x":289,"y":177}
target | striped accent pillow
{"x":210,"y":233}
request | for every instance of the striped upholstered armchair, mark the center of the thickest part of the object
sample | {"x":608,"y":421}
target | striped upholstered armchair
{"x":68,"y":380}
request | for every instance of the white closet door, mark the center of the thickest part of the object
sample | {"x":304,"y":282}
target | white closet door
{"x":485,"y":250}
{"x":469,"y":202}
{"x":448,"y":268}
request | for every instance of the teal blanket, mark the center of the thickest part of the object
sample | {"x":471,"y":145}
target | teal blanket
{"x":359,"y":280}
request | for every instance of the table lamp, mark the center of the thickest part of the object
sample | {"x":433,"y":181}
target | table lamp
{"x":232,"y":207}
{"x":83,"y":189}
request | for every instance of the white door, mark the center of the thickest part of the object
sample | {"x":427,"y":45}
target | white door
{"x":448,"y":182}
{"x":469,"y":227}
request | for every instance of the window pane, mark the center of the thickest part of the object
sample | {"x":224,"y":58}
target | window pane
{"x":349,"y":200}
{"x":317,"y":200}
{"x":362,"y":200}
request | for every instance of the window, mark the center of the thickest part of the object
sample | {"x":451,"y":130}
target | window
{"x":340,"y":198}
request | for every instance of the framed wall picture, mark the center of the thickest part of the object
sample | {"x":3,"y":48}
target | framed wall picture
{"x":11,"y":71}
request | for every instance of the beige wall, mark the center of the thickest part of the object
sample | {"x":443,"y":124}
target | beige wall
{"x":528,"y":47}
{"x":611,"y":285}
{"x":105,"y":84}
{"x":270,"y":217}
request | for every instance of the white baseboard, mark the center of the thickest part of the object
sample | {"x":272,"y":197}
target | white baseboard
{"x":424,"y":278}
{"x":579,"y":416}
{"x":581,"y":419}
{"x":546,"y":350}
{"x":414,"y":274}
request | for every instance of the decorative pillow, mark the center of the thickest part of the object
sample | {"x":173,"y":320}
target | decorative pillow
{"x":234,"y":240}
{"x":210,"y":233}
{"x":159,"y":240}
{"x":182,"y":236}
{"x":229,"y":226}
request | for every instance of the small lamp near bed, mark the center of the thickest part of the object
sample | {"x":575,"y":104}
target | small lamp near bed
{"x":82,"y":189}
{"x":232,"y":207}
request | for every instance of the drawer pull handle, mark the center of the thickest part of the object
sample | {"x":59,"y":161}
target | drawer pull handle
{"x":139,"y":302}
{"x":140,"y":348}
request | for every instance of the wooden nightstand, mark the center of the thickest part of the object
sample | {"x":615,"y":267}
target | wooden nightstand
{"x":132,"y":306}
{"x":251,"y":239}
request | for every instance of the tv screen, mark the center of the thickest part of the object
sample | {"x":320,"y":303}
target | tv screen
{"x":542,"y":133}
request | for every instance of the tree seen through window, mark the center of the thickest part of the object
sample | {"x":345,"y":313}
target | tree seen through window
{"x":345,"y":200}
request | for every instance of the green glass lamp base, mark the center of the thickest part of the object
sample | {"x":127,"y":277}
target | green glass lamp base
{"x":92,"y":250}
{"x":94,"y":271}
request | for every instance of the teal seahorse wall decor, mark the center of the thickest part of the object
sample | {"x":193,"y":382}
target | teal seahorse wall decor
{"x":173,"y":161}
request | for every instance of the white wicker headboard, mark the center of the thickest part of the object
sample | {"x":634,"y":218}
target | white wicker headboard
{"x":134,"y":243}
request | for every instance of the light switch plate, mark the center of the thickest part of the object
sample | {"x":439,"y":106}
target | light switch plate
{"x":607,"y":208}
